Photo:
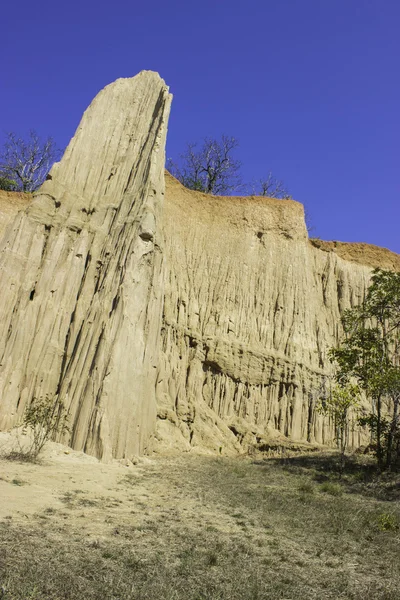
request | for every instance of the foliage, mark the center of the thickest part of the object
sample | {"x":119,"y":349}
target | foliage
{"x":370,"y":352}
{"x":339,"y":404}
{"x":44,"y":418}
{"x":388,"y":522}
{"x":331,"y":488}
{"x":6,"y":184}
{"x":26,"y":162}
{"x":306,"y":487}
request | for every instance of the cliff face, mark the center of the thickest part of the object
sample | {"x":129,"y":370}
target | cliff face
{"x":198,"y":322}
{"x":81,"y":276}
{"x":10,"y":204}
{"x":251,"y":309}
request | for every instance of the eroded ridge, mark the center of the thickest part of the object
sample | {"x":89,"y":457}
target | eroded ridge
{"x":251,"y":310}
{"x":81,"y":272}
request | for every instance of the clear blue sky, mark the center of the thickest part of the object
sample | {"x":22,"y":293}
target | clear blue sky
{"x":311,"y":88}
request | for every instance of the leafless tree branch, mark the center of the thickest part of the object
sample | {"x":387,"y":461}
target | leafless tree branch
{"x":26,"y":162}
{"x":271,"y":187}
{"x":210,"y":168}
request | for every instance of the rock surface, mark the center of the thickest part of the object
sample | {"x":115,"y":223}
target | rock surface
{"x":81,"y":276}
{"x":196,"y":323}
{"x":251,"y":309}
{"x":10,"y":204}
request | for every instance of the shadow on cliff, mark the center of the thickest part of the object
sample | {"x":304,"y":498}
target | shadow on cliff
{"x":360,"y":474}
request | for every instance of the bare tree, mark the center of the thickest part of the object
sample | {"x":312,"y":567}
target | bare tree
{"x":210,"y":168}
{"x":25,"y":163}
{"x":271,"y":187}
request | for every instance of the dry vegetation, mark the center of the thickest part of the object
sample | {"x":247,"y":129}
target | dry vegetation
{"x":205,"y":528}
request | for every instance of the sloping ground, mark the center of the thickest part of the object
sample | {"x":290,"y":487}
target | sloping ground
{"x":191,"y":527}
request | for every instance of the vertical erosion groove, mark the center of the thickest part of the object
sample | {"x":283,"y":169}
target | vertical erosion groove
{"x":82,"y":280}
{"x":262,"y":316}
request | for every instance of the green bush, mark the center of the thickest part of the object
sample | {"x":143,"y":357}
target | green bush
{"x":334,"y":489}
{"x":44,"y":418}
{"x":306,"y":487}
{"x":7,"y":184}
{"x":387,"y":522}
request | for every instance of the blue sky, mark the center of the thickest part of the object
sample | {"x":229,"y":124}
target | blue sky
{"x":310,"y":88}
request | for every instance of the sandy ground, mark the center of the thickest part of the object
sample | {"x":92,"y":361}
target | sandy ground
{"x":64,"y":477}
{"x":220,"y":527}
{"x":92,"y":497}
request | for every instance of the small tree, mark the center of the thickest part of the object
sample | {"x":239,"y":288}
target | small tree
{"x":26,"y":162}
{"x":210,"y":168}
{"x":340,"y":404}
{"x":370,"y":352}
{"x":271,"y":187}
{"x":44,"y":418}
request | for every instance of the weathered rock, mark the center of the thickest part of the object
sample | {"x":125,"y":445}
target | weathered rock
{"x":81,"y":276}
{"x":251,"y":309}
{"x":215,"y":314}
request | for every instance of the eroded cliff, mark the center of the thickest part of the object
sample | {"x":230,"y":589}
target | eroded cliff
{"x":81,"y":276}
{"x":196,"y":323}
{"x":251,"y":309}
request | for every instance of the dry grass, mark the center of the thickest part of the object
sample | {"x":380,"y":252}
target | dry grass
{"x":215,"y":529}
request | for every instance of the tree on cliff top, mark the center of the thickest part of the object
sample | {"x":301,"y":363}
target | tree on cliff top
{"x":24,"y":163}
{"x":271,"y":187}
{"x":210,"y":168}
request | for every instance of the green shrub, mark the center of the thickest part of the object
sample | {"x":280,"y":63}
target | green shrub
{"x":306,"y":487}
{"x":44,"y":418}
{"x":388,"y":522}
{"x":7,"y":184}
{"x":334,"y":489}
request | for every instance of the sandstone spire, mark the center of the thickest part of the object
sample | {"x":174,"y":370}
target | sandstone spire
{"x":81,"y":271}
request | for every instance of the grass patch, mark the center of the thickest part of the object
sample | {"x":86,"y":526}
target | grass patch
{"x":306,"y":487}
{"x":217,"y":529}
{"x":388,"y":522}
{"x":331,"y":488}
